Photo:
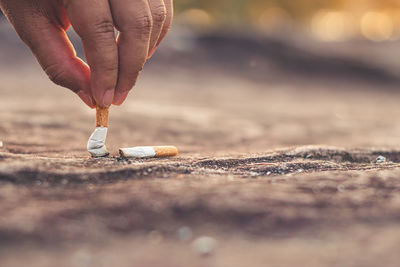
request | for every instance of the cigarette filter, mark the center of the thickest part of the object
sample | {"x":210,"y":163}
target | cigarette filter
{"x":102,"y":117}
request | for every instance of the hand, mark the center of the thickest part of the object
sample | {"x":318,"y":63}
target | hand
{"x":114,"y":63}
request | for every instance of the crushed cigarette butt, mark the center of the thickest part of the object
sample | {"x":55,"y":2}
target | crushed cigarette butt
{"x":148,"y":152}
{"x":97,"y":142}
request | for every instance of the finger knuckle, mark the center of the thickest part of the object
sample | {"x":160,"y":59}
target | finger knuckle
{"x":139,"y":25}
{"x":103,"y":27}
{"x":56,"y":73}
{"x":109,"y":66}
{"x":142,"y":22}
{"x":159,"y":14}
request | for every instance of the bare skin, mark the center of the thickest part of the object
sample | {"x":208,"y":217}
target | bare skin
{"x":114,"y":64}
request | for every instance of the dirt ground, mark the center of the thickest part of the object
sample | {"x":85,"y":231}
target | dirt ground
{"x":277,"y":166}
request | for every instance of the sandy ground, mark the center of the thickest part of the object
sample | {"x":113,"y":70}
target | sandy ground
{"x":277,"y":167}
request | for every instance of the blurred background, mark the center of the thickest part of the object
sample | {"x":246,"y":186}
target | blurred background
{"x":330,"y":21}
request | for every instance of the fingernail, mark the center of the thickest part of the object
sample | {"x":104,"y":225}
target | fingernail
{"x":87,"y":99}
{"x":108,"y":98}
{"x":120,"y":97}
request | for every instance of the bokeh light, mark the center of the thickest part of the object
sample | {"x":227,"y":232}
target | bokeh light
{"x":273,"y":19}
{"x":333,"y":25}
{"x":377,"y":26}
{"x":326,"y":20}
{"x":196,"y":17}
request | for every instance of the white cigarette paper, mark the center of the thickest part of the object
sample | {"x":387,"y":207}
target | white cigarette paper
{"x":148,"y":152}
{"x":138,"y":152}
{"x":97,"y":142}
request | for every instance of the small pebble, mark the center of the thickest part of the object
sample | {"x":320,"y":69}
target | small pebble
{"x":204,"y":245}
{"x":341,"y":188}
{"x":380,"y":159}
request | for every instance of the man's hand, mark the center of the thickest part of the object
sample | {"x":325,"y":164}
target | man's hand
{"x":114,"y":63}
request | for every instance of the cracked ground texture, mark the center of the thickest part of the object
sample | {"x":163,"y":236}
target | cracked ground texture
{"x":278,"y":169}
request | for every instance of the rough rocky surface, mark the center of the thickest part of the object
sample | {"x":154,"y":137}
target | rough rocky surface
{"x":278,"y":172}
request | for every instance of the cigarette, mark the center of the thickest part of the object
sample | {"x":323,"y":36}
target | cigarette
{"x":148,"y":152}
{"x":97,"y":142}
{"x":102,"y":117}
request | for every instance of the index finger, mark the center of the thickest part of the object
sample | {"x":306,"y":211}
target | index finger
{"x":92,"y":20}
